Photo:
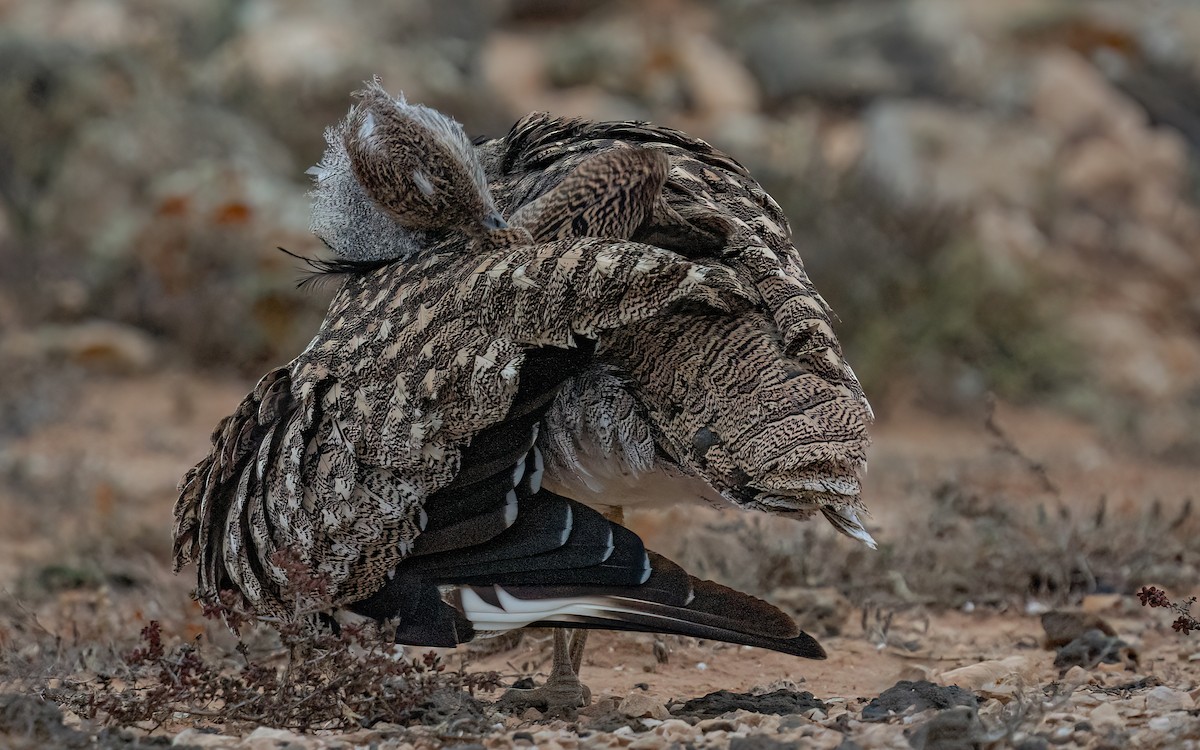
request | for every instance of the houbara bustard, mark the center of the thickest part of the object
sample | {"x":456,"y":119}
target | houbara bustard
{"x":639,"y":331}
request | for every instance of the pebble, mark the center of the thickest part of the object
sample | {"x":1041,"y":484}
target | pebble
{"x":1163,"y":698}
{"x":713,"y":725}
{"x":196,"y":738}
{"x":650,"y":742}
{"x":1011,"y":670}
{"x":1106,"y":716}
{"x":675,"y":729}
{"x":1062,"y":627}
{"x":637,"y":705}
{"x":1076,"y":675}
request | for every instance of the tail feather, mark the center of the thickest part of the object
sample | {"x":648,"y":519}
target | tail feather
{"x":726,"y":615}
{"x":561,"y":564}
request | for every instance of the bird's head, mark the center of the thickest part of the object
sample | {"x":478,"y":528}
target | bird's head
{"x":392,"y":173}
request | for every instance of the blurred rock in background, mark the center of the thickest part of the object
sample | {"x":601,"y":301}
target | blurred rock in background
{"x":994,"y":197}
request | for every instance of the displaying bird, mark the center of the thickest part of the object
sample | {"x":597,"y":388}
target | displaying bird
{"x":475,"y":379}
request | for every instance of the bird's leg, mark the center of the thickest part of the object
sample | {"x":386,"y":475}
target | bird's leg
{"x":615,"y":514}
{"x":562,"y":692}
{"x":578,"y":641}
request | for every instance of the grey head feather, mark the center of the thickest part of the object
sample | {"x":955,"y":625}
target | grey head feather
{"x":345,"y":219}
{"x":392,"y":173}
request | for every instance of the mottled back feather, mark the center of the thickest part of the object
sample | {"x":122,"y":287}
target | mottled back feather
{"x":762,"y":405}
{"x":412,"y":361}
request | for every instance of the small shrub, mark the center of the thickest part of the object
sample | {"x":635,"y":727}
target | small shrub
{"x":1152,"y":596}
{"x":332,"y":680}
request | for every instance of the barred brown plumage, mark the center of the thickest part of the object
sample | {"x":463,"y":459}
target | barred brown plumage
{"x":643,"y":332}
{"x":774,"y":371}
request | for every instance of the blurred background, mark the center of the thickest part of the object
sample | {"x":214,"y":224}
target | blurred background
{"x":1000,"y":200}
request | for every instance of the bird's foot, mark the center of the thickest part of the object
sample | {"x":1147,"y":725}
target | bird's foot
{"x":559,"y":696}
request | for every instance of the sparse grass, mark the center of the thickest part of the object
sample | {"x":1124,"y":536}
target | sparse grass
{"x":989,"y":547}
{"x":303,"y":680}
{"x":343,"y":681}
{"x":306,"y":682}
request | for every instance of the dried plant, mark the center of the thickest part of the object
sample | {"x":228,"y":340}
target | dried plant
{"x":341,"y":678}
{"x":1152,"y":596}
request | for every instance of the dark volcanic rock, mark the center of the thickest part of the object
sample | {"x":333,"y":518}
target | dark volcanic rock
{"x":779,"y":702}
{"x":1063,"y":627}
{"x":1092,"y":648}
{"x":919,"y":696}
{"x":30,"y":722}
{"x":958,"y":728}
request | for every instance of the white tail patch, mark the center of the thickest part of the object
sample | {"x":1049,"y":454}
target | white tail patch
{"x":516,"y":613}
{"x":539,"y":467}
{"x":422,"y":182}
{"x":570,"y":524}
{"x":510,"y":508}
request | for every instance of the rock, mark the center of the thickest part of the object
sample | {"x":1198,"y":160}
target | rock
{"x":715,"y":725}
{"x":1105,"y":716}
{"x":990,"y":674}
{"x":1163,"y":698}
{"x":677,"y":729}
{"x":611,"y":55}
{"x":1092,"y":648}
{"x":614,"y":721}
{"x":718,"y":83}
{"x":101,"y":345}
{"x":452,"y":707}
{"x":196,"y":738}
{"x":532,"y":714}
{"x":1076,"y":676}
{"x":268,"y":738}
{"x":779,"y":702}
{"x":847,"y":51}
{"x":914,"y":697}
{"x":650,"y":742}
{"x":639,"y":705}
{"x":928,"y":154}
{"x":957,"y":728}
{"x":1098,"y":168}
{"x":109,"y":346}
{"x":759,"y":742}
{"x":1072,"y":97}
{"x":1116,"y":159}
{"x":821,"y":612}
{"x":917,"y":673}
{"x":36,"y":719}
{"x":1062,"y":627}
